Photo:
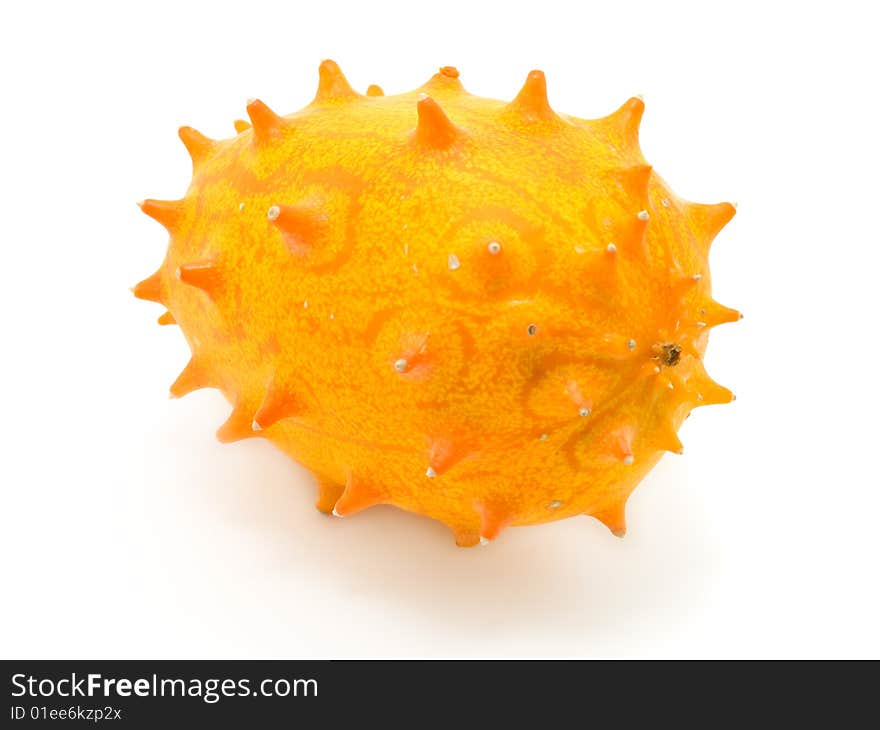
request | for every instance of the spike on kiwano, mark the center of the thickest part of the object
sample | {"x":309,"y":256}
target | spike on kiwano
{"x":488,"y":313}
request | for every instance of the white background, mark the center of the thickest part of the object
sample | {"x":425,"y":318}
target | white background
{"x":128,"y":531}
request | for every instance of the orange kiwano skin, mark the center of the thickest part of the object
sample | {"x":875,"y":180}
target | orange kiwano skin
{"x":488,"y":313}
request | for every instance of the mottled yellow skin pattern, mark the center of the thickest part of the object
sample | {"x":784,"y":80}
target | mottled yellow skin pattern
{"x":483,"y":312}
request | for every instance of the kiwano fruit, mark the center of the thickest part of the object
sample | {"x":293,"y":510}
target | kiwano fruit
{"x":488,"y":313}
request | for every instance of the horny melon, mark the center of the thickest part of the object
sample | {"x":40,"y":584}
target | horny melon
{"x":489,"y":313}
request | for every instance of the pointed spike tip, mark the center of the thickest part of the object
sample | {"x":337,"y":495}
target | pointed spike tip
{"x":358,"y":496}
{"x":667,"y":439}
{"x":714,"y":394}
{"x":614,"y":518}
{"x":493,"y":520}
{"x":717,"y":314}
{"x":197,"y":144}
{"x":708,"y":220}
{"x":192,"y":377}
{"x":302,"y":226}
{"x":435,"y":130}
{"x":203,"y":275}
{"x":626,"y":120}
{"x":332,"y":84}
{"x":276,"y":406}
{"x":445,"y":451}
{"x":150,"y":289}
{"x":329,"y":493}
{"x":266,"y":123}
{"x":622,"y":444}
{"x":168,"y":213}
{"x":531,"y":102}
{"x":237,"y":427}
